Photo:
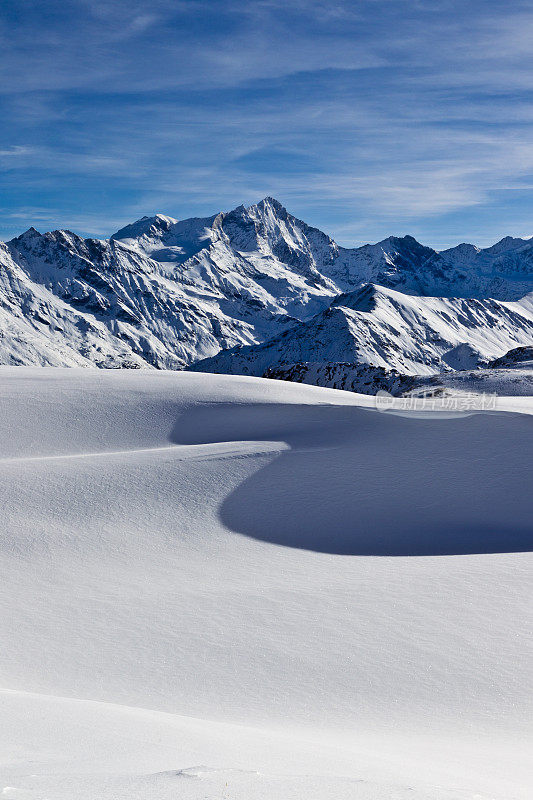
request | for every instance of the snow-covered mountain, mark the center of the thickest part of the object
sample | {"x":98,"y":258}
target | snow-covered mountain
{"x":166,"y":293}
{"x":118,"y":305}
{"x":387,"y":329}
{"x":273,"y":245}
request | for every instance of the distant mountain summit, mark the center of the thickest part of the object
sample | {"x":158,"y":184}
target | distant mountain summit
{"x":267,"y":231}
{"x":166,"y":293}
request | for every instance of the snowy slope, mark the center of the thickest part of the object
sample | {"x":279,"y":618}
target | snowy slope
{"x":387,"y":329}
{"x":165,"y":293}
{"x":272,"y":591}
{"x":161,"y":321}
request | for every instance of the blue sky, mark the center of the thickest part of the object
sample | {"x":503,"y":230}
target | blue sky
{"x":364,"y":118}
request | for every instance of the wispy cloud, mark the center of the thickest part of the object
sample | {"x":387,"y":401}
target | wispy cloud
{"x":364,"y":116}
{"x":15,"y":151}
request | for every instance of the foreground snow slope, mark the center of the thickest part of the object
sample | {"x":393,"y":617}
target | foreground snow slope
{"x":275,"y":581}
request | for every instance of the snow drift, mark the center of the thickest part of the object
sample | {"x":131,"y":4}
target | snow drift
{"x":305,"y":596}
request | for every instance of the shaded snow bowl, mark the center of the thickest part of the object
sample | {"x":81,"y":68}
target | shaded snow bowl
{"x":357,"y":482}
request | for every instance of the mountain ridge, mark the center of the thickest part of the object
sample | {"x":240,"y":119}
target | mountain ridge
{"x":166,"y":293}
{"x":384,"y":328}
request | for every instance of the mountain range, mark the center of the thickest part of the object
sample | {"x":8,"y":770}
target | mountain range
{"x":253,"y":288}
{"x":388,"y":329}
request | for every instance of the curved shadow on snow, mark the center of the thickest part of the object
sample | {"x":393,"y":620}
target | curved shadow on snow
{"x":357,"y":482}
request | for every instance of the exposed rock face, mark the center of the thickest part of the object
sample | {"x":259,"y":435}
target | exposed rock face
{"x":361,"y":378}
{"x":519,"y":357}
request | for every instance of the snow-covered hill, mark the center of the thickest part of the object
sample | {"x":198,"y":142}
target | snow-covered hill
{"x":165,"y":293}
{"x":227,"y":587}
{"x":384,"y":328}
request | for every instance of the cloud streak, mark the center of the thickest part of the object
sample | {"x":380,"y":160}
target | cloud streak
{"x":368,"y":118}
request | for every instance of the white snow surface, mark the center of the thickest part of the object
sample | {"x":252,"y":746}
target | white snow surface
{"x":229,"y":587}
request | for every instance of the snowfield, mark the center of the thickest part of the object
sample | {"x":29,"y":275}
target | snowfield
{"x":225,"y":587}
